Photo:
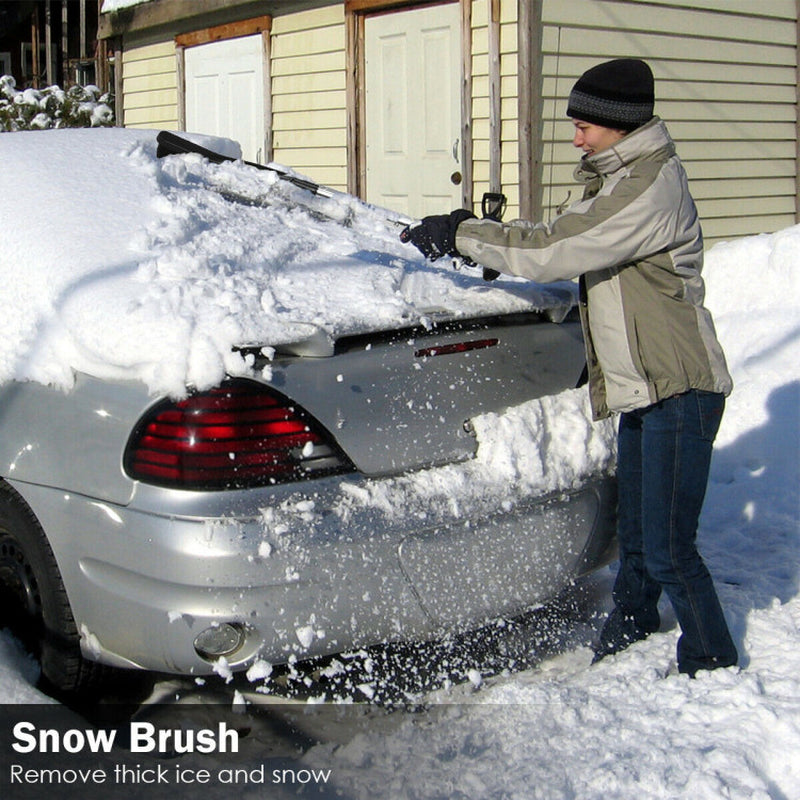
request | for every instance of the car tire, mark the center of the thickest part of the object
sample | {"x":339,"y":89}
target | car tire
{"x":34,"y":603}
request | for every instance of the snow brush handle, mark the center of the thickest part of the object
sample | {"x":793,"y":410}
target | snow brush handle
{"x":170,"y":144}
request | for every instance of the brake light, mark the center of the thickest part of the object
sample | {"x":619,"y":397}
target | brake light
{"x":238,"y":435}
{"x":458,"y":347}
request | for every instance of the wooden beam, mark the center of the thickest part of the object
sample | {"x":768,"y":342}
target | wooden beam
{"x":233,"y":30}
{"x":179,"y":14}
{"x":530,"y":109}
{"x":366,"y":6}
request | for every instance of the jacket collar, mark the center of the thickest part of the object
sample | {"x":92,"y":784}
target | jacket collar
{"x":650,"y":140}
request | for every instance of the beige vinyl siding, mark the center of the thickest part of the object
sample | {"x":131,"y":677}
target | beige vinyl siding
{"x":150,"y":86}
{"x":726,"y":73}
{"x":509,"y":148}
{"x":309,"y":118}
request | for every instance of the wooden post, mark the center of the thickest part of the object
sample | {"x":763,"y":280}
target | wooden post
{"x":101,"y":65}
{"x":356,"y":110}
{"x":180,"y":75}
{"x":530,"y":109}
{"x":64,"y":44}
{"x":468,"y":181}
{"x":82,"y":31}
{"x":119,"y":107}
{"x":266,"y":51}
{"x":48,"y":44}
{"x":495,"y":113}
{"x":35,"y":68}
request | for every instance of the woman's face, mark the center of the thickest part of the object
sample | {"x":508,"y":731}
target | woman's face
{"x":593,"y":138}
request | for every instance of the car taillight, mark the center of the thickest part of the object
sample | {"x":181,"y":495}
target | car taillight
{"x":235,"y":436}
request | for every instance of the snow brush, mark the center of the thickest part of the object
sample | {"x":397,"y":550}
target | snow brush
{"x":171,"y":144}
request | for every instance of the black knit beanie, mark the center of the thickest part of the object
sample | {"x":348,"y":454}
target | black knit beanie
{"x":617,"y":94}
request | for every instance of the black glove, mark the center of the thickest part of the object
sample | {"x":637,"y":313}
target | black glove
{"x":435,"y":236}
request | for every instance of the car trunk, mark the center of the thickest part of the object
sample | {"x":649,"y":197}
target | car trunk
{"x":404,"y":399}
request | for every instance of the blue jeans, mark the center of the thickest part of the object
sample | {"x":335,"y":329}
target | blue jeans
{"x":662,"y":470}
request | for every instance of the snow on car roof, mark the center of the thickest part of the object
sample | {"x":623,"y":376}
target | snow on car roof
{"x":123,"y":265}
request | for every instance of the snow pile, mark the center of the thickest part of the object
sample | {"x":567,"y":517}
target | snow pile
{"x":52,"y":107}
{"x":148,"y":268}
{"x":506,"y":469}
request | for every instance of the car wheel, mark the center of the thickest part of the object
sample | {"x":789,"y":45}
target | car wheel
{"x":33,"y":601}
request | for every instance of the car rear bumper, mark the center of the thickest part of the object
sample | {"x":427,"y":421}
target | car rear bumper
{"x":299,"y":579}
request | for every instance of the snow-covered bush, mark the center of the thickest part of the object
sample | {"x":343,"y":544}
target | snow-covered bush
{"x":53,"y":107}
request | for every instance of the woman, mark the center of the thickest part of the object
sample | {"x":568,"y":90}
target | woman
{"x":634,"y":241}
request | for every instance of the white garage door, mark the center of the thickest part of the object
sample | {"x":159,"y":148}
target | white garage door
{"x":225,"y":92}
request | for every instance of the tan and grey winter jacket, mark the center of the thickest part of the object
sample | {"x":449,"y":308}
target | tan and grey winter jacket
{"x":635,"y":241}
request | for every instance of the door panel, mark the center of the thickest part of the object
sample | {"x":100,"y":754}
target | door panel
{"x":413,"y":109}
{"x":225,"y":92}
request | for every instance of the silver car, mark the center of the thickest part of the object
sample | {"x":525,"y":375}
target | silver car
{"x":207,"y":533}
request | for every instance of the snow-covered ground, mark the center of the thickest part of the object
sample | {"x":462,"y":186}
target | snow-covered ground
{"x":626,"y":728}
